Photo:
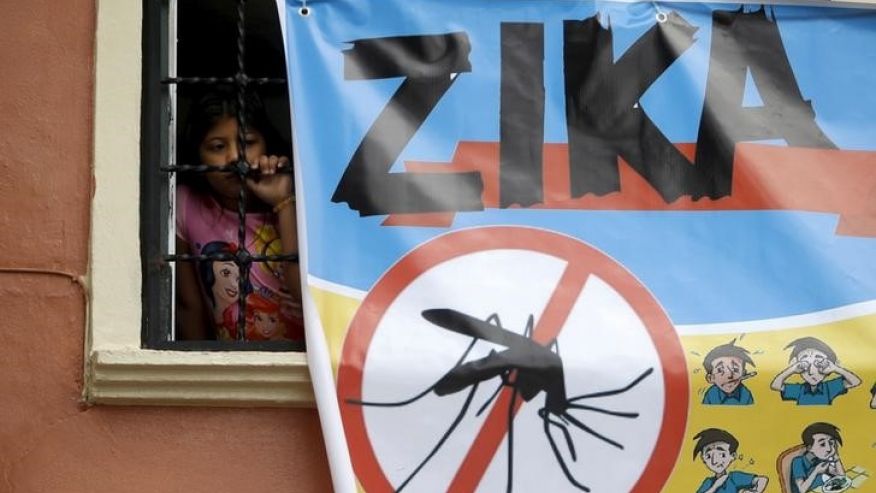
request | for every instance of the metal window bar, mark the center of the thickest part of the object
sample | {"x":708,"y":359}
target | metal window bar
{"x":162,"y":272}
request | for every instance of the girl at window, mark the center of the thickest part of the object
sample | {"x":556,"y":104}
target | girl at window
{"x":208,"y":222}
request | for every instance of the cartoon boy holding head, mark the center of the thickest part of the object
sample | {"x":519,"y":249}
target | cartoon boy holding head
{"x":813,"y":360}
{"x":808,"y":471}
{"x":717,"y":448}
{"x":725,"y":370}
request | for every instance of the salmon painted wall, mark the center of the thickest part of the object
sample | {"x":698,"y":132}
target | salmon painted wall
{"x":49,"y":442}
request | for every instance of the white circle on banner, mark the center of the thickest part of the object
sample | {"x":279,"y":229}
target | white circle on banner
{"x":603,"y":345}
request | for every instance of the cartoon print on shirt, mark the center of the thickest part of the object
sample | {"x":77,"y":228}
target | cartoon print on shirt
{"x":266,"y":241}
{"x":265,"y":321}
{"x":221,"y":279}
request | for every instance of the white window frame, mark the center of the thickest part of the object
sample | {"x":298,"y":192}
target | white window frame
{"x":117,"y":369}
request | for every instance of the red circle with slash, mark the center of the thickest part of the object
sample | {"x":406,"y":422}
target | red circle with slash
{"x":582,"y":261}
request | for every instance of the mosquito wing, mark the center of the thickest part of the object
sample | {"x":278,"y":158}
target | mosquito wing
{"x":467,"y":325}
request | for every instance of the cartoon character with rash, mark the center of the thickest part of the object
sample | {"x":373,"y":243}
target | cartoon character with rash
{"x":717,"y":448}
{"x":725,"y":370}
{"x":822,"y":441}
{"x":813,"y":360}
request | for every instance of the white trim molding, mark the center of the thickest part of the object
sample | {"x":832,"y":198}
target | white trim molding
{"x":228,"y":379}
{"x":117,"y":370}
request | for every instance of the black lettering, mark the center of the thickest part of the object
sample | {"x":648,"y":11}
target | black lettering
{"x":429,"y":65}
{"x":603,"y":117}
{"x":744,"y":41}
{"x":521,"y":117}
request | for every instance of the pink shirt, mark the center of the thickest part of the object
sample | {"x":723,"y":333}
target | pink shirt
{"x":208,"y":228}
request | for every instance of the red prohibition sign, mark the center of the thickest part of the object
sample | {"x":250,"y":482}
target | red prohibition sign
{"x":582,"y":261}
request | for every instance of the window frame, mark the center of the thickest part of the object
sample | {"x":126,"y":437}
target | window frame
{"x":118,"y":369}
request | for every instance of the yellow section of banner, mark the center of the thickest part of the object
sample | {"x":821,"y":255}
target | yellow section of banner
{"x":770,"y":426}
{"x":335,"y":313}
{"x":767,"y":427}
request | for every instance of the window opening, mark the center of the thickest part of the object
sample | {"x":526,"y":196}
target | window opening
{"x":193,"y":49}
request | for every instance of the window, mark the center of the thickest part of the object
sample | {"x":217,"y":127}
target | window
{"x":203,"y":57}
{"x":125,"y":362}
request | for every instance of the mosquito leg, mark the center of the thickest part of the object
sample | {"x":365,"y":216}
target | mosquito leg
{"x":530,"y":323}
{"x":492,"y":397}
{"x":416,"y":397}
{"x":615,"y":391}
{"x":590,"y":430}
{"x":604,"y":411}
{"x":559,"y":457}
{"x":443,"y":438}
{"x":511,"y":440}
{"x":568,"y":436}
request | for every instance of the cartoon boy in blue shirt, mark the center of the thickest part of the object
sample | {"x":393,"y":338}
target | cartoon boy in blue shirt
{"x":717,"y":448}
{"x":813,"y":360}
{"x":821,"y":460}
{"x":725,"y":370}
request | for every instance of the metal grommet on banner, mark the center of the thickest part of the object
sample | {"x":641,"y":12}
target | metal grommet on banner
{"x":304,"y":11}
{"x":661,"y":15}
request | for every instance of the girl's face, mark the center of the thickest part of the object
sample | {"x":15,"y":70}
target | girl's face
{"x":220,"y":148}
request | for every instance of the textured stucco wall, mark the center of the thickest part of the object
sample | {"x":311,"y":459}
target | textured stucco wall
{"x":48,"y":441}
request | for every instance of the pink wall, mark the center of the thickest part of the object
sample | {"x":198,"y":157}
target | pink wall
{"x":48,"y":440}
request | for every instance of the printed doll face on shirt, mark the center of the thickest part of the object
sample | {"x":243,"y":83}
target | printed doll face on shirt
{"x":813,"y":363}
{"x":220,"y":148}
{"x":726,"y":373}
{"x":717,"y":457}
{"x":823,"y":446}
{"x":266,"y":324}
{"x":225,"y":285}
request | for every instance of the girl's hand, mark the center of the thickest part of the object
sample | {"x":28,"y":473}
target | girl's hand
{"x":270,"y":187}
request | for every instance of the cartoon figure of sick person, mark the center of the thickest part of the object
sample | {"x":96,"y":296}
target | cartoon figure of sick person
{"x":717,"y":448}
{"x":725,"y":370}
{"x":820,"y":461}
{"x":814,"y":361}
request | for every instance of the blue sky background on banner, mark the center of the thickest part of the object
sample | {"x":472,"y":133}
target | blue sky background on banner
{"x":703,"y":267}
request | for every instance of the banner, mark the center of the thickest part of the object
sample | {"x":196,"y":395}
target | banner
{"x":588,"y":246}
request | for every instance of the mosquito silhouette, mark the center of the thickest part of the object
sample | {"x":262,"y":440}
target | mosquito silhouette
{"x":527,"y":368}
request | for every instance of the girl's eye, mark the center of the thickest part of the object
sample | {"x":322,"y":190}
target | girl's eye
{"x":226,"y":272}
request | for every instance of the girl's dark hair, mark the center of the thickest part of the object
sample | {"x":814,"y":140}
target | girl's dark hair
{"x":213,"y":106}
